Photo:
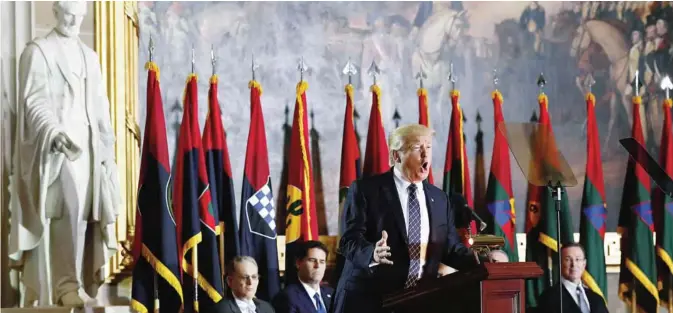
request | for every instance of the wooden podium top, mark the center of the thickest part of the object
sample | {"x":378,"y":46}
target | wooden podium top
{"x":461,"y":279}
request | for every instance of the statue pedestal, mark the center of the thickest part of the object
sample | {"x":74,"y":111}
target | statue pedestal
{"x":96,"y":309}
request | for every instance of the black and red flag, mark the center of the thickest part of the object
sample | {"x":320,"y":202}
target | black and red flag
{"x":156,"y":273}
{"x":219,"y":174}
{"x":193,"y":203}
{"x":258,"y":214}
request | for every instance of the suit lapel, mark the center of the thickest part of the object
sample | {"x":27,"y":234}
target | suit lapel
{"x":308,"y":302}
{"x":326,"y":298}
{"x":430,"y":204}
{"x":62,"y":61}
{"x":234,"y":307}
{"x":393,"y":199}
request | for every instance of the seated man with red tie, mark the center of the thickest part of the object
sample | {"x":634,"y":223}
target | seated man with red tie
{"x":576,"y":297}
{"x":307,"y":295}
{"x":398,"y":227}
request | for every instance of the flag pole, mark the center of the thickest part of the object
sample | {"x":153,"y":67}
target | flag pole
{"x":634,"y":305}
{"x":154,"y":274}
{"x":634,"y":302}
{"x":195,"y":253}
{"x":213,"y":62}
{"x":350,"y":70}
{"x":667,"y":85}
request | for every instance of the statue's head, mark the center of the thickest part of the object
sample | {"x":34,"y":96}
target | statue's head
{"x":69,"y":16}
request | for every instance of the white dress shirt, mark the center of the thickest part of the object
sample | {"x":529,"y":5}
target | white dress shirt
{"x":402,"y":191}
{"x":311,"y":293}
{"x":572,"y":289}
{"x":246,"y":306}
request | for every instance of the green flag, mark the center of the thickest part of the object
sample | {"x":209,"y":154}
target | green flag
{"x":594,"y":213}
{"x":638,"y":272}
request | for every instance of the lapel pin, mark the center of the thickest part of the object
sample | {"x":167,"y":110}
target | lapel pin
{"x":329,"y":296}
{"x":432,"y":200}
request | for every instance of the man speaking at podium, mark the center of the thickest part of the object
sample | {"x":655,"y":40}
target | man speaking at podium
{"x":398,"y":228}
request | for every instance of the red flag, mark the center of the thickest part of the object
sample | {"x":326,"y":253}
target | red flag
{"x":456,"y":167}
{"x":424,"y":117}
{"x":376,"y":152}
{"x":350,"y":154}
{"x":302,"y":220}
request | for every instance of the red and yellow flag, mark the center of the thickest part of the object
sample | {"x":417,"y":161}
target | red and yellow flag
{"x":301,"y":221}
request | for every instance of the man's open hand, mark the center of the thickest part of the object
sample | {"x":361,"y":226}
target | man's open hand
{"x":382,"y":250}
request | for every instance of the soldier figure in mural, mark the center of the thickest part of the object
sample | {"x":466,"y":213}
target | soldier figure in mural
{"x":532,"y":21}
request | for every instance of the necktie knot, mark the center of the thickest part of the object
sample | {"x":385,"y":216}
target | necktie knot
{"x":412,"y":189}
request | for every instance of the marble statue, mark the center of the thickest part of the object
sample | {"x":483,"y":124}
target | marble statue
{"x":64,"y":184}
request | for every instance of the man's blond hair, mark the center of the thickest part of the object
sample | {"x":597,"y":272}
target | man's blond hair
{"x":399,"y":138}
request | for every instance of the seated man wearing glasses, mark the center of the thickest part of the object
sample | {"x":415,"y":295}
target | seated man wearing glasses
{"x":577,"y":298}
{"x":243,"y":279}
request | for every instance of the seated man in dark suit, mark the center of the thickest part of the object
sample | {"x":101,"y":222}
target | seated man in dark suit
{"x":307,"y":295}
{"x":398,"y":228}
{"x":576,"y":297}
{"x":243,"y":279}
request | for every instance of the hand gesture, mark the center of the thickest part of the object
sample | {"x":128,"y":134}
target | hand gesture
{"x":61,"y":143}
{"x":382,"y":250}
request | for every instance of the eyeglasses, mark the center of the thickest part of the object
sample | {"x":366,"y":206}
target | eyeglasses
{"x":255,"y":277}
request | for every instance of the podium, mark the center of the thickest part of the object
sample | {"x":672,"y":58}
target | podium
{"x":488,"y":288}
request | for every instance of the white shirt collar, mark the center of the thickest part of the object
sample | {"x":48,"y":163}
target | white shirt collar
{"x":400,"y":181}
{"x":245,"y":305}
{"x":570,"y":285}
{"x":311,"y":292}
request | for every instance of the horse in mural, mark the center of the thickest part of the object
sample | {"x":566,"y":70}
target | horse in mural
{"x":600,"y":49}
{"x":433,"y":46}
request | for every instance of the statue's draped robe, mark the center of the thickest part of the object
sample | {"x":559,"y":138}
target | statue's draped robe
{"x":76,"y":196}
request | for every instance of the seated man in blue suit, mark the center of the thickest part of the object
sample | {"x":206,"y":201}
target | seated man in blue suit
{"x":307,"y":295}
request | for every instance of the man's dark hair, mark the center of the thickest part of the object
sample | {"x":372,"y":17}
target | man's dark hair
{"x":302,"y":249}
{"x":574,"y":244}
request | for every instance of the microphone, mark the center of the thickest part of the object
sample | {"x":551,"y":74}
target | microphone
{"x":459,"y":201}
{"x":482,"y":224}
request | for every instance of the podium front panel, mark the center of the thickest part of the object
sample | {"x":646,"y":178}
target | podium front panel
{"x":502,"y":296}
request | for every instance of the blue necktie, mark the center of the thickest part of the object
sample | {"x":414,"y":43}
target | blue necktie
{"x":318,"y":304}
{"x":414,"y":235}
{"x":584,"y":307}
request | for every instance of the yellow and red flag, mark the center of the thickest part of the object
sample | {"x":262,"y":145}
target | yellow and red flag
{"x":301,"y":221}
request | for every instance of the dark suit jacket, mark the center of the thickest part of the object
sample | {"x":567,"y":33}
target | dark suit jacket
{"x":295,"y":299}
{"x":548,"y":301}
{"x":373,"y":205}
{"x":228,"y":305}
